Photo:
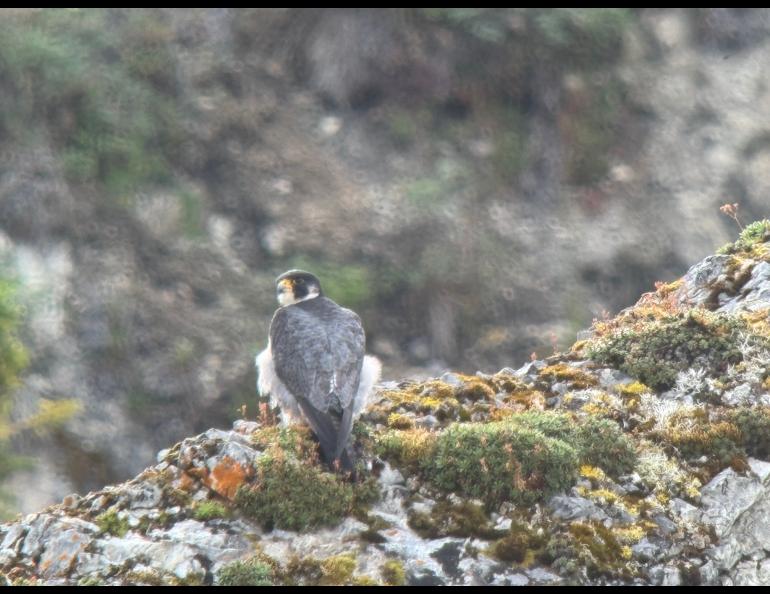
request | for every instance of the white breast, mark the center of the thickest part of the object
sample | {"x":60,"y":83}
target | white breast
{"x":268,"y":383}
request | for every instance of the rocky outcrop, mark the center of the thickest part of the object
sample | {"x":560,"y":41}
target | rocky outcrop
{"x":589,"y":467}
{"x":145,"y":243}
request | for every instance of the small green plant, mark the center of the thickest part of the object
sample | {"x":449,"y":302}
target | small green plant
{"x":293,"y":495}
{"x":210,"y":510}
{"x":516,"y":545}
{"x":597,"y":442}
{"x":755,"y":232}
{"x":602,"y":443}
{"x":501,"y":461}
{"x":393,"y":573}
{"x":251,"y":572}
{"x":110,"y":522}
{"x":750,"y":236}
{"x":753,"y":423}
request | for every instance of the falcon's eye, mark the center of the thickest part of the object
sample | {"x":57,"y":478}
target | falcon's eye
{"x":300,"y":281}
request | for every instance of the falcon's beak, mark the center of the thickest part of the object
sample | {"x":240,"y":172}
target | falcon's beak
{"x":285,"y":292}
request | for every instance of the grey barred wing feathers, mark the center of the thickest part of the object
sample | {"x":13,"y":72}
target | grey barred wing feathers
{"x":318,"y":350}
{"x":318,"y":353}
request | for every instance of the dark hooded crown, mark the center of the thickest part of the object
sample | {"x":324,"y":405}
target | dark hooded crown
{"x":301,"y":282}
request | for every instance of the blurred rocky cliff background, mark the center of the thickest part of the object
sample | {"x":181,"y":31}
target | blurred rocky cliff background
{"x":477,"y":183}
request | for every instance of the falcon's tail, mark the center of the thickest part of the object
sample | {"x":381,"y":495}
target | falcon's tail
{"x":329,"y":437}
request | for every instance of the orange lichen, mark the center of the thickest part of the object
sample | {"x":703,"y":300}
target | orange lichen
{"x":227,"y":477}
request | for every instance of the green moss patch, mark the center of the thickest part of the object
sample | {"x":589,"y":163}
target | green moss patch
{"x":251,"y":572}
{"x":449,"y":519}
{"x":562,"y":372}
{"x":499,"y":462}
{"x":210,"y":510}
{"x":293,"y":495}
{"x":588,"y":549}
{"x":110,"y":523}
{"x":393,"y":573}
{"x":521,"y":459}
{"x":407,"y":449}
{"x":655,"y":351}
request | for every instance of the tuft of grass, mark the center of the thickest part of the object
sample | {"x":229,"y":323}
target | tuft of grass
{"x":251,"y":572}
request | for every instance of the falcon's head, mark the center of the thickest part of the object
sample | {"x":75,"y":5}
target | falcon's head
{"x":295,"y":286}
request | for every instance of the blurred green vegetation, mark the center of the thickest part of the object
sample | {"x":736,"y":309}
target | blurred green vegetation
{"x":102,"y":92}
{"x":13,"y":360}
{"x":350,"y":285}
{"x":587,"y":34}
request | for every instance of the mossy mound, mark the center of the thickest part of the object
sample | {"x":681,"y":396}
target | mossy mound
{"x":753,"y":424}
{"x":393,"y":573}
{"x":110,"y":522}
{"x":295,"y":495}
{"x":407,"y":449}
{"x":563,"y":372}
{"x":210,"y":510}
{"x":337,"y":570}
{"x":587,"y":548}
{"x":520,"y":545}
{"x":501,"y":461}
{"x":251,"y":572}
{"x":520,"y":459}
{"x":654,"y":351}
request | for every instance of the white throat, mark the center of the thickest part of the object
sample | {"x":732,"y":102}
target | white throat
{"x":286,"y":298}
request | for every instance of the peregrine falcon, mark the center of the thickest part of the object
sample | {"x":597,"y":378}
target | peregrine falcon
{"x":314,"y":367}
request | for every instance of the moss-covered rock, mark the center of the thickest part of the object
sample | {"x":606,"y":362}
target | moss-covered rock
{"x":494,"y":461}
{"x":602,"y":443}
{"x":251,"y":572}
{"x":597,"y":442}
{"x":295,"y":495}
{"x":563,"y":372}
{"x":407,"y":449}
{"x":753,"y":424}
{"x":655,"y":351}
{"x":694,"y":435}
{"x":453,"y":519}
{"x":337,"y":570}
{"x":500,"y":461}
{"x":110,"y":522}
